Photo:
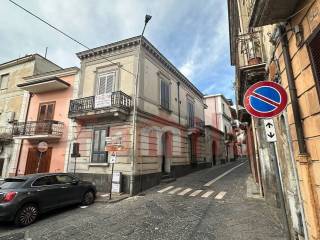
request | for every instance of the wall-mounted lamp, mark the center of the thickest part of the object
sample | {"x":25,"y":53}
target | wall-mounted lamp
{"x":298,"y":32}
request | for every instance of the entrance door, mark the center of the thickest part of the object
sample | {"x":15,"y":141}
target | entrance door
{"x":33,"y":161}
{"x":45,"y":113}
{"x":1,"y":165}
{"x":214,"y":149}
{"x":164,"y":154}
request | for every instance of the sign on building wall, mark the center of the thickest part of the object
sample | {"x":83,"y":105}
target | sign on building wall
{"x":270,"y":130}
{"x":265,"y":99}
{"x":102,"y":100}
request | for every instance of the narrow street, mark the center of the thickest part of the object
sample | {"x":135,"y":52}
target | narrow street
{"x":178,"y":210}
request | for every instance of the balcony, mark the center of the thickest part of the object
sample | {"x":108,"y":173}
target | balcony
{"x":40,"y":130}
{"x":195,"y":125}
{"x":273,"y":11}
{"x":5,"y":134}
{"x":117,"y":105}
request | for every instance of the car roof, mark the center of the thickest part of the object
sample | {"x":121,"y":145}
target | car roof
{"x":35,"y":175}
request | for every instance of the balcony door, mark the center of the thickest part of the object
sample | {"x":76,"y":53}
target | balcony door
{"x":45,"y":114}
{"x":105,"y":87}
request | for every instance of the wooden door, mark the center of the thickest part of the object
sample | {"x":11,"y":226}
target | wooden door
{"x":34,"y":158}
{"x":45,"y":113}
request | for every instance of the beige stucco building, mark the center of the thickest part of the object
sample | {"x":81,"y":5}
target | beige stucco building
{"x":13,"y":103}
{"x":292,"y":46}
{"x":167,"y":136}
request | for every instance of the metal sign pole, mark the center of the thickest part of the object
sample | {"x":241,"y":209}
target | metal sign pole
{"x":75,"y":165}
{"x":39,"y":160}
{"x":280,"y":188}
{"x":111,"y":182}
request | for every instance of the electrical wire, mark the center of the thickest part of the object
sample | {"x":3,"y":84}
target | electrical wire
{"x":65,"y":34}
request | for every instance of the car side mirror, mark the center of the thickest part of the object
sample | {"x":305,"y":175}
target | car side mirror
{"x":74,"y":182}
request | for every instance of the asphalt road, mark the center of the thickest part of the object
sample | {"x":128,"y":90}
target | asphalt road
{"x":184,"y":209}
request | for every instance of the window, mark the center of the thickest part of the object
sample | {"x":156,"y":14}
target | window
{"x":106,"y":83}
{"x":314,"y":51}
{"x":64,"y":179}
{"x":190,"y":112}
{"x":46,"y":111}
{"x":99,"y":143}
{"x":165,"y":94}
{"x":4,"y":79}
{"x":223,"y":108}
{"x":48,"y":180}
{"x":11,"y":183}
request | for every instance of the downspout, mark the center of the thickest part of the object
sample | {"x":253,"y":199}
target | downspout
{"x":178,"y":85}
{"x":21,"y":144}
{"x":303,"y":154}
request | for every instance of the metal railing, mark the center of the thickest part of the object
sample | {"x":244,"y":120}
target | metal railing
{"x":118,"y":99}
{"x":33,"y":128}
{"x":196,"y":123}
{"x":5,"y":133}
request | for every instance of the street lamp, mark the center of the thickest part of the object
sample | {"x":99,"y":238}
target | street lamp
{"x":135,"y":98}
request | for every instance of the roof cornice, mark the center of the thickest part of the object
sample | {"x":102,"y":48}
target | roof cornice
{"x":18,"y":61}
{"x":135,"y":41}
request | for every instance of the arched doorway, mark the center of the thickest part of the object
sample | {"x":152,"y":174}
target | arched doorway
{"x":166,"y":141}
{"x":214,"y":150}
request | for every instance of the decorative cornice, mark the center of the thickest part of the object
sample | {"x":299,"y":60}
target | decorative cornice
{"x":135,"y":41}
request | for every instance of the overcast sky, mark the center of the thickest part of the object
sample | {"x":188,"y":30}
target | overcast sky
{"x":192,"y":34}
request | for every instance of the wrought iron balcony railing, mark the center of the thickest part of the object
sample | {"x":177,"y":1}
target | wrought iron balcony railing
{"x":196,"y":123}
{"x":117,"y":99}
{"x":34,"y":128}
{"x":5,"y":133}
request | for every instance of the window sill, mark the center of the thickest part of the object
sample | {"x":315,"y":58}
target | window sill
{"x":99,"y":164}
{"x":165,"y":109}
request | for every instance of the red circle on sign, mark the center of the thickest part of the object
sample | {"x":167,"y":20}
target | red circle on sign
{"x":279,"y":106}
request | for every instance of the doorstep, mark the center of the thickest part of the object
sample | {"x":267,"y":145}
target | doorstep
{"x":115,"y":197}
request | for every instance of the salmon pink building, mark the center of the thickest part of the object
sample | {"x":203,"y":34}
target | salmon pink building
{"x":46,"y":121}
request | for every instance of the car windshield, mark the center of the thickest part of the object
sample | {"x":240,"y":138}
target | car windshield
{"x":11,"y":183}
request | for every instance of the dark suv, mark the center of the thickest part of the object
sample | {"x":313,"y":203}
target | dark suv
{"x":23,"y":198}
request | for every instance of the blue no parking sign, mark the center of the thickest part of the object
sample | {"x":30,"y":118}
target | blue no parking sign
{"x":265,"y":99}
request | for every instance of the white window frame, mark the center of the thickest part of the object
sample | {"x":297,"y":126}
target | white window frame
{"x":106,"y":74}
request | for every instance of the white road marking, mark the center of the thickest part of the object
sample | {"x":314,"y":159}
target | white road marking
{"x":195,"y":193}
{"x":83,"y":206}
{"x":222,"y":175}
{"x":165,"y":189}
{"x":175,"y":190}
{"x":104,"y":195}
{"x":220,"y":195}
{"x":185,"y":191}
{"x":207,"y":194}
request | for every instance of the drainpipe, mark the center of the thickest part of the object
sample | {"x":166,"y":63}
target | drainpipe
{"x":303,"y":154}
{"x":25,"y":120}
{"x":178,"y":85}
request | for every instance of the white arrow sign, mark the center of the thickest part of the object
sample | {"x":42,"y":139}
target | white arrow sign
{"x":270,"y":130}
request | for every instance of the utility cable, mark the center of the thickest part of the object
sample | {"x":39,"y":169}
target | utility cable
{"x":65,"y":34}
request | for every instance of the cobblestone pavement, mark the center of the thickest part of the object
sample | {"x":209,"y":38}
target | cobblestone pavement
{"x":165,"y":215}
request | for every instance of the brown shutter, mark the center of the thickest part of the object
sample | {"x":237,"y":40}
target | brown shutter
{"x":314,"y":50}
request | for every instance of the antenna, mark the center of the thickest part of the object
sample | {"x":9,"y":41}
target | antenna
{"x":45,"y":55}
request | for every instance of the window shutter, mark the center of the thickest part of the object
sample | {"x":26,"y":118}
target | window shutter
{"x":109,"y":84}
{"x":314,"y":46}
{"x":4,"y":81}
{"x":102,"y":85}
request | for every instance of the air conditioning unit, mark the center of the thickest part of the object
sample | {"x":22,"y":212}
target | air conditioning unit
{"x":10,"y":117}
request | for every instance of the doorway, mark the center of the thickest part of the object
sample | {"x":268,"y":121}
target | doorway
{"x":1,"y":166}
{"x":45,"y":113}
{"x":214,"y":149}
{"x":166,"y":149}
{"x":33,"y":159}
{"x":192,"y":149}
